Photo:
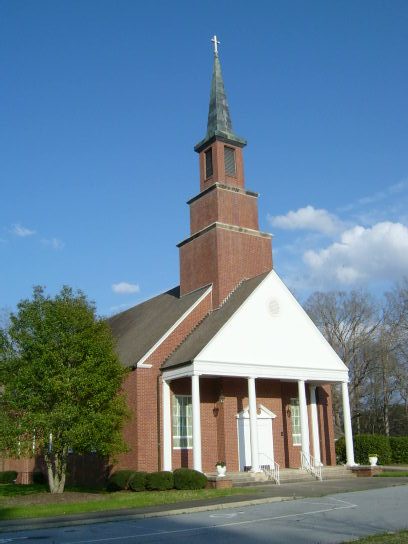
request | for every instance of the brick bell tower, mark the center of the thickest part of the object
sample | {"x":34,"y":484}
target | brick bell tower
{"x":225,"y":245}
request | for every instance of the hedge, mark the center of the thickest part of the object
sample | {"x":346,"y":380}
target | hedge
{"x":399,"y":449}
{"x":160,"y":481}
{"x":185,"y":478}
{"x":8,"y":476}
{"x":137,"y":481}
{"x":39,"y":477}
{"x":119,"y":481}
{"x":364,"y":445}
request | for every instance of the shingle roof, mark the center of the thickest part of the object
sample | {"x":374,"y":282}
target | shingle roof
{"x":200,"y":336}
{"x":139,"y":328}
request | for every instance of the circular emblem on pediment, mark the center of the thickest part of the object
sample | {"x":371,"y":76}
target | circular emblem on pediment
{"x":273,"y":307}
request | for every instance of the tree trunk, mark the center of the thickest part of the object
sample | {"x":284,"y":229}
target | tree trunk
{"x":57,"y":468}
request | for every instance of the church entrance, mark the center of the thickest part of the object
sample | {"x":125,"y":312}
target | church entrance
{"x":265,"y":439}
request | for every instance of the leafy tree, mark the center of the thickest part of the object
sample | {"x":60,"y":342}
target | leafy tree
{"x":60,"y":382}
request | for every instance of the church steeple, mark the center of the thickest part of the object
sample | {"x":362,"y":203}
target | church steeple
{"x":225,"y":245}
{"x":219,"y":119}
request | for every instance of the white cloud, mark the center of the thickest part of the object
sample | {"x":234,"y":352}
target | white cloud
{"x":19,"y":230}
{"x":124,"y":288}
{"x":308,"y":218}
{"x":362,"y":254}
{"x":53,"y":243}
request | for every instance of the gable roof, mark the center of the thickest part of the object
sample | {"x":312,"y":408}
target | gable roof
{"x":139,"y":328}
{"x":260,"y":330}
{"x":199,"y":338}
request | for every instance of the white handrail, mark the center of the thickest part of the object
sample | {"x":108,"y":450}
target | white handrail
{"x":276,"y":472}
{"x":309,"y":464}
{"x":272,"y":473}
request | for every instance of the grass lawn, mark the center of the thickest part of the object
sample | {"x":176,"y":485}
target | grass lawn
{"x":395,"y":538}
{"x":111,"y":501}
{"x":13,"y":490}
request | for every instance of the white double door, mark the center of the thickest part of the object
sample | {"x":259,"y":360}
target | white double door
{"x":265,"y":439}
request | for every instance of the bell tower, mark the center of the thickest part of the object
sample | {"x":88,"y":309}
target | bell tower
{"x":225,"y":245}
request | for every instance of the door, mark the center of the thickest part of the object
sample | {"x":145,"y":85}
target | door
{"x":265,"y":439}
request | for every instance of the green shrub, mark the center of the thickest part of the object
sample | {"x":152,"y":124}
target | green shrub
{"x":341,"y":457}
{"x":160,"y":481}
{"x":185,"y":478}
{"x":399,"y":449}
{"x":137,"y":481}
{"x":119,"y":480}
{"x":39,"y":477}
{"x":364,"y":445}
{"x":8,"y":476}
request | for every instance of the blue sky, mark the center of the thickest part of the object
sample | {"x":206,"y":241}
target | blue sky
{"x":101,"y":104}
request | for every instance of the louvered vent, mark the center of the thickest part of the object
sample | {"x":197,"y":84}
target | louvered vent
{"x":208,"y":163}
{"x":229,"y":160}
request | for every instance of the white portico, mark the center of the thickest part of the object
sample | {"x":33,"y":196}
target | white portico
{"x":268,"y":336}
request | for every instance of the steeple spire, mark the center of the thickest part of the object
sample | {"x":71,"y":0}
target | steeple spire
{"x":219,"y":124}
{"x":225,"y":245}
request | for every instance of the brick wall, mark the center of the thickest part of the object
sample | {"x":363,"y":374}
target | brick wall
{"x":225,"y":206}
{"x":143,"y":432}
{"x":224,"y":258}
{"x":219,"y":434}
{"x":219,"y":175}
{"x":326,"y":425}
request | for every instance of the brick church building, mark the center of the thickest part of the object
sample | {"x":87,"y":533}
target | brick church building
{"x":227,"y":365}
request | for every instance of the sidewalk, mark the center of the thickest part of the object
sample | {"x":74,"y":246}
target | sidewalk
{"x":264,"y":494}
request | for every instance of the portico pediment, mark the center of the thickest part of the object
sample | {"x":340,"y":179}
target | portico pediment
{"x":271,"y":332}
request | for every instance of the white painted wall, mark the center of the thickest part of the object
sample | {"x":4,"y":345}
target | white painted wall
{"x":273,"y":335}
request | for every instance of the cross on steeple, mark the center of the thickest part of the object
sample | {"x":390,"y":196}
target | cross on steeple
{"x":215,"y":42}
{"x":219,"y":121}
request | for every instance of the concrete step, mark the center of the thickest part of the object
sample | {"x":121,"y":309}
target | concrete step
{"x":287,"y":475}
{"x":337,"y":473}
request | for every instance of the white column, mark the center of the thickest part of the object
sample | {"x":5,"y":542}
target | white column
{"x":348,"y":432}
{"x":166,"y":409}
{"x":253,"y":425}
{"x":315,"y":426}
{"x":195,"y":394}
{"x":304,"y":420}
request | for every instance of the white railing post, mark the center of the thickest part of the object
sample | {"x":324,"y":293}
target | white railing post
{"x":315,"y":425}
{"x":253,"y":425}
{"x":348,"y":431}
{"x":304,"y":420}
{"x":167,"y":461}
{"x":195,"y":401}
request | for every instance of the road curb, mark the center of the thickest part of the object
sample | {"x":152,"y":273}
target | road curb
{"x":31,"y":524}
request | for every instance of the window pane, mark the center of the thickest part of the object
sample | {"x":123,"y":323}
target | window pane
{"x":295,"y":417}
{"x":182,"y":421}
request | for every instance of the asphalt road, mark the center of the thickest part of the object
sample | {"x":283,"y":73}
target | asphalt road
{"x":334,"y":518}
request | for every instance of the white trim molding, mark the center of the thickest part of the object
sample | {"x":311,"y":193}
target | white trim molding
{"x":272,"y":371}
{"x":241,"y":370}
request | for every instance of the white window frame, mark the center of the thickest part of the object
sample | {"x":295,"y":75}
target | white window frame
{"x":295,"y":421}
{"x":176,"y":412}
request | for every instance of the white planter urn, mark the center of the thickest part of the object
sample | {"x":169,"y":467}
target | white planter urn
{"x":373,"y":460}
{"x":221,"y":471}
